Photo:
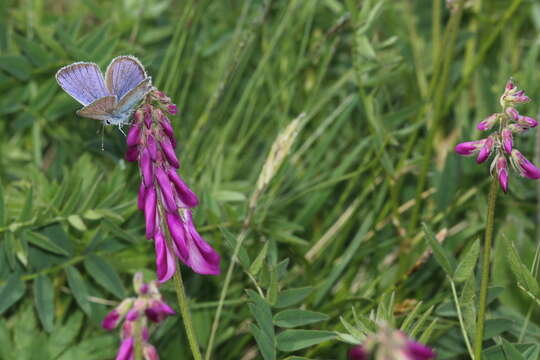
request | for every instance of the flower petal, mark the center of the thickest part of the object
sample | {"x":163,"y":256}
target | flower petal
{"x":186,"y":195}
{"x":165,"y":263}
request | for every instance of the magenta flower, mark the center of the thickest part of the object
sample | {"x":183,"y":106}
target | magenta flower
{"x":390,"y":344}
{"x":501,"y":142}
{"x":357,"y":353}
{"x":163,"y":196}
{"x":147,"y":306}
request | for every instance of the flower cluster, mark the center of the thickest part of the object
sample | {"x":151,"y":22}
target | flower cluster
{"x":389,"y":344}
{"x":501,"y":142}
{"x":148,"y":305}
{"x":163,"y":196}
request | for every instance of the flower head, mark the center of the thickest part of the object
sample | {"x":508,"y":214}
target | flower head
{"x":501,"y":142}
{"x":163,"y":196}
{"x":147,"y":306}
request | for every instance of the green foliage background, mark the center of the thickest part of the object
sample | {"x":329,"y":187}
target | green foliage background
{"x":386,"y":93}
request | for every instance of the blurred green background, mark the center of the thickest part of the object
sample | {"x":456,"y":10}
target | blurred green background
{"x":388,"y":88}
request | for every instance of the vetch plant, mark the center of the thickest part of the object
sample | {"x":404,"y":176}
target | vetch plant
{"x":389,"y":344}
{"x":136,"y":313}
{"x":500,"y":144}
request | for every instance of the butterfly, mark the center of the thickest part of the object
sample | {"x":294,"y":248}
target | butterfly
{"x":111,"y":99}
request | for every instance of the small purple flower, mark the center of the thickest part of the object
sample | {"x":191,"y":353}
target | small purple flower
{"x":487,"y":123}
{"x":358,"y":353}
{"x":133,"y":135}
{"x":485,"y":151}
{"x":111,"y":320}
{"x":171,"y":108}
{"x":185,"y":194}
{"x":152,"y":147}
{"x":126,"y":350}
{"x":150,"y":212}
{"x":158,"y":311}
{"x":132,"y":154}
{"x":527,"y":122}
{"x":419,"y":351}
{"x":146,"y":167}
{"x":507,"y":140}
{"x":165,"y":263}
{"x":524,"y":166}
{"x":513,"y":113}
{"x":502,"y":172}
{"x":167,"y":191}
{"x":470,"y":147}
{"x":169,"y":152}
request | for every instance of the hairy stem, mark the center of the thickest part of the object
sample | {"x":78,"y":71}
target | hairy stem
{"x":485,"y":270}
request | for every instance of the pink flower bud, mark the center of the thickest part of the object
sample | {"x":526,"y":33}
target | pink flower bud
{"x":149,"y":352}
{"x":509,"y":85}
{"x":485,"y":151}
{"x":502,"y":172}
{"x":148,"y":115}
{"x":146,"y":167}
{"x":133,"y":135}
{"x":111,"y":320}
{"x":132,"y":315}
{"x":132,"y":153}
{"x":513,"y":113}
{"x":141,"y":196}
{"x":152,"y":147}
{"x":507,"y":140}
{"x":517,"y":129}
{"x":185,"y":194}
{"x":166,"y":189}
{"x":168,"y":150}
{"x":524,"y":166}
{"x":469,"y":147}
{"x":150,"y":212}
{"x":138,"y":117}
{"x":178,"y":235}
{"x":487,"y":123}
{"x":358,"y":353}
{"x":171,"y":108}
{"x":527,"y":122}
{"x":418,"y":351}
{"x":166,"y":126}
{"x":165,"y":264}
{"x":126,"y":349}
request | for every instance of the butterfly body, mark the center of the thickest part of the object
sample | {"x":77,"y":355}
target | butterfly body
{"x":111,"y":99}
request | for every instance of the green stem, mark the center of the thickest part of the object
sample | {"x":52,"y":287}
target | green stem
{"x":186,"y":316}
{"x":138,"y":341}
{"x":485,"y":270}
{"x":223,"y":294}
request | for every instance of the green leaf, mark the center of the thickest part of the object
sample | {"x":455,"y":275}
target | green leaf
{"x":11,"y":292}
{"x":26,"y":213}
{"x":257,"y":263}
{"x":64,"y":335}
{"x":291,"y":297}
{"x":265,"y":343}
{"x":292,"y":340}
{"x":262,"y":313}
{"x":511,"y":352}
{"x":2,"y":207}
{"x":445,"y":260}
{"x":465,"y":268}
{"x":77,"y":222}
{"x":78,"y":288}
{"x":45,"y":243}
{"x":105,"y":275}
{"x":522,"y":273}
{"x":44,"y":297}
{"x":296,"y":317}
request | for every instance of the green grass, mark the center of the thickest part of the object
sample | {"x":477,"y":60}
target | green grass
{"x":387,"y":87}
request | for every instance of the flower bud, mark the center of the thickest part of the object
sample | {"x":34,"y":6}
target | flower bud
{"x":513,"y":113}
{"x":487,"y":123}
{"x":507,"y":140}
{"x":527,"y":122}
{"x":524,"y":166}
{"x":502,"y":172}
{"x":141,"y":196}
{"x":146,"y":167}
{"x":152,"y":147}
{"x":485,"y":151}
{"x":150,"y":212}
{"x":133,"y":135}
{"x":132,"y":153}
{"x":166,"y":189}
{"x":469,"y":147}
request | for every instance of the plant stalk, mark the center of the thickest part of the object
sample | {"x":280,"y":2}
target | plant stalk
{"x":485,"y":270}
{"x":138,"y":341}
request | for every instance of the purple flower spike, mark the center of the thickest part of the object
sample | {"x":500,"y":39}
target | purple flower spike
{"x":513,"y":113}
{"x":165,"y":263}
{"x":187,"y":196}
{"x":527,"y":122}
{"x":524,"y":166}
{"x":469,"y":147}
{"x":149,"y":352}
{"x":485,"y":151}
{"x":133,"y":135}
{"x":166,"y":189}
{"x":150,"y":212}
{"x":358,"y":353}
{"x":132,"y":154}
{"x":146,"y":168}
{"x":487,"y":123}
{"x":419,"y":351}
{"x":126,"y":350}
{"x":170,"y":154}
{"x":507,"y":140}
{"x":111,"y":320}
{"x":152,"y":147}
{"x":502,"y":171}
{"x":178,"y":235}
{"x":141,"y":196}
